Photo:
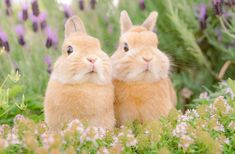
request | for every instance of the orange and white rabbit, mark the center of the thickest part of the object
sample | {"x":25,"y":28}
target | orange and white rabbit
{"x":81,"y":82}
{"x":143,"y":89}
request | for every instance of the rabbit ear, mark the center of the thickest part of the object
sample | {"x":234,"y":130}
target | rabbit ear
{"x":150,"y":22}
{"x":74,"y":24}
{"x":125,"y":21}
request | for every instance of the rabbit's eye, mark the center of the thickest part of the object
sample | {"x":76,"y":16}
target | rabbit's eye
{"x":69,"y":50}
{"x":126,"y":48}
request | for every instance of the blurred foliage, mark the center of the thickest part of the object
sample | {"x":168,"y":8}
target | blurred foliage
{"x":201,"y":56}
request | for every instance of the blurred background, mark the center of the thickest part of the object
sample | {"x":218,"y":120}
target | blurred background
{"x":198,"y":36}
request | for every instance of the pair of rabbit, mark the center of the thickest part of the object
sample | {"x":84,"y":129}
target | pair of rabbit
{"x":131,"y":85}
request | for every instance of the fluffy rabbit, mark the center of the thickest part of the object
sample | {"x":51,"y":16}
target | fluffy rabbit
{"x":81,"y":82}
{"x":143,"y":89}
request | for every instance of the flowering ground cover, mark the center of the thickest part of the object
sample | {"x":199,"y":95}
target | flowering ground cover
{"x":207,"y":128}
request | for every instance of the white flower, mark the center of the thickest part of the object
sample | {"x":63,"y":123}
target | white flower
{"x":230,"y":91}
{"x":219,"y":127}
{"x":92,"y":134}
{"x":189,"y":115}
{"x":204,"y":95}
{"x":185,"y":141}
{"x":180,"y":130}
{"x":47,"y":139}
{"x":12,"y":138}
{"x":18,"y":117}
{"x":77,"y":124}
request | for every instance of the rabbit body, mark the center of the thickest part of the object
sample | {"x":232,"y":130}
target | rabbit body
{"x":143,"y":89}
{"x":143,"y":101}
{"x":88,"y":102}
{"x":80,"y":86}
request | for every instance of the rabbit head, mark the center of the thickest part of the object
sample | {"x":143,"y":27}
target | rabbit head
{"x":82,"y":58}
{"x":138,"y":57}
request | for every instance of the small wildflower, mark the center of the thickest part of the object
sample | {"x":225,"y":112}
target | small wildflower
{"x":18,"y":118}
{"x":23,"y":14}
{"x":12,"y":138}
{"x":230,"y":92}
{"x":218,"y":7}
{"x":180,"y":130}
{"x":103,"y":150}
{"x":35,"y":7}
{"x":92,"y":134}
{"x":67,"y":11}
{"x":142,"y":4}
{"x":47,"y":140}
{"x":81,"y":5}
{"x":8,"y":11}
{"x":35,"y":23}
{"x":48,"y":62}
{"x":42,"y":20}
{"x":204,"y":95}
{"x":7,"y":3}
{"x":185,"y":141}
{"x":4,"y":41}
{"x":20,"y":34}
{"x":52,"y":39}
{"x":92,"y":4}
{"x":230,"y":3}
{"x":221,"y":105}
{"x":202,"y":16}
{"x":75,"y":124}
{"x":189,"y":115}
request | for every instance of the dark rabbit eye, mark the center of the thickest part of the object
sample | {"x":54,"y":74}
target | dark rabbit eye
{"x":69,"y":50}
{"x":126,"y":48}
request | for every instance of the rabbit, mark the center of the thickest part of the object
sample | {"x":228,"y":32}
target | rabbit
{"x":80,"y":86}
{"x":142,"y":87}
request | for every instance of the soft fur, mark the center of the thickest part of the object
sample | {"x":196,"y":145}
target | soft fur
{"x":143,"y":89}
{"x":78,"y":88}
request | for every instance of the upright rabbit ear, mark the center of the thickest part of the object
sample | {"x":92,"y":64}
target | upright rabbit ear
{"x":74,"y":24}
{"x":150,"y":22}
{"x":125,"y":21}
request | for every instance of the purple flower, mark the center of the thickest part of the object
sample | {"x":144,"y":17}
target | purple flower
{"x":81,"y":5}
{"x":202,"y":16}
{"x":52,"y":39}
{"x":8,"y":7}
{"x":67,"y":11}
{"x":218,"y":7}
{"x":230,"y":3}
{"x":23,"y":14}
{"x":142,"y":4}
{"x":92,"y":4}
{"x":48,"y":62}
{"x":34,"y":20}
{"x":4,"y":41}
{"x":42,"y":20}
{"x":20,"y":34}
{"x":8,"y":11}
{"x":8,"y":3}
{"x":35,"y":7}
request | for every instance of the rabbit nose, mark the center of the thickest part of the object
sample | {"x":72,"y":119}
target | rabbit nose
{"x":91,"y":60}
{"x":147,"y":59}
